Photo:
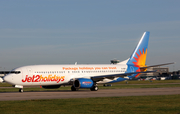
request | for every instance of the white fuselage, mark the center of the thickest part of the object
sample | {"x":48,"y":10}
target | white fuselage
{"x":60,"y":74}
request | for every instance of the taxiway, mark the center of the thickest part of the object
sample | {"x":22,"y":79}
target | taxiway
{"x":64,"y":94}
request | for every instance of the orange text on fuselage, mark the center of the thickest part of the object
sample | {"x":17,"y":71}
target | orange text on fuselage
{"x":89,"y":68}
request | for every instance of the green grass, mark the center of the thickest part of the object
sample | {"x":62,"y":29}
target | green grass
{"x":140,"y":86}
{"x":164,"y":104}
{"x":149,"y":82}
{"x":5,"y":85}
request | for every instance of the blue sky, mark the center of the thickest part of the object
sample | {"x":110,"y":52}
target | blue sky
{"x":87,"y":31}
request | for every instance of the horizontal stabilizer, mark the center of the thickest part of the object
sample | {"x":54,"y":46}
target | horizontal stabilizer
{"x":157,"y":65}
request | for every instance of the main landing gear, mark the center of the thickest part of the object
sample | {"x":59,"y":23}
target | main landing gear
{"x":21,"y":90}
{"x":94,"y":88}
{"x":73,"y":88}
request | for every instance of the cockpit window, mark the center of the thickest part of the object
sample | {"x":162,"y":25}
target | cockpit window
{"x":15,"y":72}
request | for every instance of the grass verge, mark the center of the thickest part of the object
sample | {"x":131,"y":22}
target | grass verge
{"x":166,"y":104}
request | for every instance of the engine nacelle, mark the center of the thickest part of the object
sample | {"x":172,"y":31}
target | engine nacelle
{"x":51,"y":87}
{"x":83,"y":83}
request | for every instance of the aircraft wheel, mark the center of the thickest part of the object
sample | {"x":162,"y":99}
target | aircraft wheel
{"x":94,"y":88}
{"x":21,"y":90}
{"x":73,"y":88}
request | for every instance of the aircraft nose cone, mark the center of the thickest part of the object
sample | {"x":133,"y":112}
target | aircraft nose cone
{"x":8,"y":78}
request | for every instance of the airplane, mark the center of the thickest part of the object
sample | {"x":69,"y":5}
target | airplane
{"x":82,"y":75}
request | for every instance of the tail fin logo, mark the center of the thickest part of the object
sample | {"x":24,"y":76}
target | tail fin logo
{"x":141,"y":58}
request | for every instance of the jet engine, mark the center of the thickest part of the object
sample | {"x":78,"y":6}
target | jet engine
{"x":83,"y":83}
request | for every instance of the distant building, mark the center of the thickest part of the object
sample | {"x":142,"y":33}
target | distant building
{"x":160,"y":72}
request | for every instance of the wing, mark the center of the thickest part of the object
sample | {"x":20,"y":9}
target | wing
{"x":112,"y":76}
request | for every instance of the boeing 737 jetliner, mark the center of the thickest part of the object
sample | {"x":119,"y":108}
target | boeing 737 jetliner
{"x":82,"y":76}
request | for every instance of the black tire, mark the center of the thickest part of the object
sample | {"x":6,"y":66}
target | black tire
{"x":94,"y":88}
{"x":21,"y":90}
{"x":73,"y":88}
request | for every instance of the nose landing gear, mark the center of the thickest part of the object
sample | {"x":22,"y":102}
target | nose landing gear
{"x":21,"y":90}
